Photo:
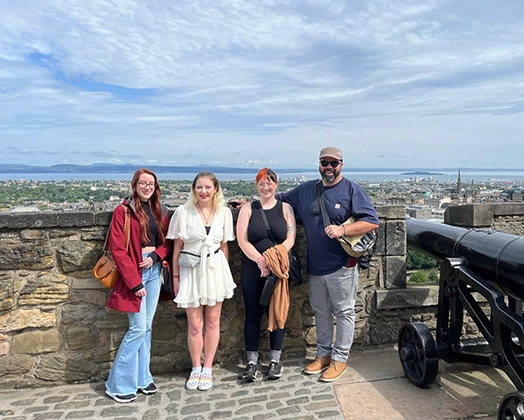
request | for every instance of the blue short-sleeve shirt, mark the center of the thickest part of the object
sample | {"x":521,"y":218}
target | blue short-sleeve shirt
{"x":343,"y":200}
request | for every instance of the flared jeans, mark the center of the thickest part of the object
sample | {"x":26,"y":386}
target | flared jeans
{"x":130,"y":371}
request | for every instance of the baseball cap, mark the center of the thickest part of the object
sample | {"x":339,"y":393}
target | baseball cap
{"x":331,"y":151}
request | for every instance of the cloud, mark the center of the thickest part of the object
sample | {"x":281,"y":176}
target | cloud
{"x":234,"y":80}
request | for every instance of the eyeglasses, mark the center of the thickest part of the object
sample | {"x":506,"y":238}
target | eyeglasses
{"x":332,"y":163}
{"x":143,"y":184}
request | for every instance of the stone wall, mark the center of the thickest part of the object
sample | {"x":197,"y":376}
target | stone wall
{"x":502,"y":217}
{"x":54,"y":326}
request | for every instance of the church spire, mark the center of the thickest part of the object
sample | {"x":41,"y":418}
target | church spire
{"x":459,"y":183}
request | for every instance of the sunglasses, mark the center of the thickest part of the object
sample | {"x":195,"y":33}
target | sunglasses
{"x":332,"y":163}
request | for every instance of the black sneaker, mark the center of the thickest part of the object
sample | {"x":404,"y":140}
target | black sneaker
{"x":275,"y":370}
{"x":150,"y":389}
{"x":122,"y":398}
{"x":250,"y":373}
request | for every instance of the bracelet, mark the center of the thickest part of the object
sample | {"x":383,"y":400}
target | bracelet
{"x":343,"y":230}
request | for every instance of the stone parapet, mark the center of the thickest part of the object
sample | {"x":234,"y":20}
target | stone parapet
{"x":503,"y":217}
{"x":55,"y":326}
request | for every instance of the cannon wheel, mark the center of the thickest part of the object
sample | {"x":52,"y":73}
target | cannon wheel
{"x":418,"y":353}
{"x":512,"y":407}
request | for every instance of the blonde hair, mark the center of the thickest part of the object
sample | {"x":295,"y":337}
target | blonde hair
{"x":218,"y":198}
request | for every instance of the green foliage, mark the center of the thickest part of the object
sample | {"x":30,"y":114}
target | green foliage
{"x":419,"y":277}
{"x":416,"y":260}
{"x":433,"y":276}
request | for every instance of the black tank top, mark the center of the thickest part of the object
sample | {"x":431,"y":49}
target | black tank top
{"x":256,"y":229}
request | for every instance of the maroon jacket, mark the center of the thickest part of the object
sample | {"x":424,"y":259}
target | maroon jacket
{"x":122,"y":297}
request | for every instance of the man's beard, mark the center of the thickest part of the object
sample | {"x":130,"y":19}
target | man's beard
{"x":329,"y":178}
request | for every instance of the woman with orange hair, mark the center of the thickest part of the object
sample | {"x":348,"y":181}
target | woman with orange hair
{"x":254,"y":240}
{"x":138,"y":286}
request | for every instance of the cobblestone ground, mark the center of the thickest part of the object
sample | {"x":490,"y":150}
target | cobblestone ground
{"x":295,"y":395}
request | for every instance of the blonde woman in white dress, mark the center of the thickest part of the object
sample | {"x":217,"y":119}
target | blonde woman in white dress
{"x":201,"y":230}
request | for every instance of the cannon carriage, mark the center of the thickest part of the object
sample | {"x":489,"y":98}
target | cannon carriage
{"x":482,"y":275}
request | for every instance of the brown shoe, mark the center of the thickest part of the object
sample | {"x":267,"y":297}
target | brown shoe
{"x":334,"y":371}
{"x":318,"y":365}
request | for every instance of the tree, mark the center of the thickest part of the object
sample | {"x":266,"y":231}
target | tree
{"x":416,"y":260}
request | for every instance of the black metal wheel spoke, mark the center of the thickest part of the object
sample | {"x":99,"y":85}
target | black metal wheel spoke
{"x":512,"y":407}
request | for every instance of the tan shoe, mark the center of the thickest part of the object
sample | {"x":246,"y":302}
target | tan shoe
{"x":318,"y":365}
{"x":334,"y":371}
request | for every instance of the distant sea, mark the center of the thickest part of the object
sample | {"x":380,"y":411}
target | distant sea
{"x":451,"y":176}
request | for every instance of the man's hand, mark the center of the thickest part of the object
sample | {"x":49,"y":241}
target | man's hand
{"x":334,"y":231}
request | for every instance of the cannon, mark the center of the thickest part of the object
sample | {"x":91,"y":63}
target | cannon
{"x":478,"y":268}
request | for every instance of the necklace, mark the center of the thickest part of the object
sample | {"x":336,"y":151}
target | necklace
{"x":204,"y":215}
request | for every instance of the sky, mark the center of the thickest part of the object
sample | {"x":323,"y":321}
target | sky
{"x":396,"y":84}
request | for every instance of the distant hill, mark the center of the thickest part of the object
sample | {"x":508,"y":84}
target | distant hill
{"x":98,"y":168}
{"x":421,"y":173}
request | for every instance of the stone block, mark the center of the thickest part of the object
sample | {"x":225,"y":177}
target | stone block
{"x":113,"y":323}
{"x":97,"y":297}
{"x":470,"y":215}
{"x":87,"y":283}
{"x":6,"y":292}
{"x":47,"y":288}
{"x":395,"y":238}
{"x":83,"y":314}
{"x":78,"y":256}
{"x":20,"y":319}
{"x":35,"y":255}
{"x":76,"y":219}
{"x":411,"y":297}
{"x":67,"y":368}
{"x":391,"y":212}
{"x":380,"y":246}
{"x":508,"y":209}
{"x":33,"y":234}
{"x":103,"y":219}
{"x":80,"y":338}
{"x":15,"y":365}
{"x":395,"y":272}
{"x":385,"y":331}
{"x":28,"y":220}
{"x":36,"y":342}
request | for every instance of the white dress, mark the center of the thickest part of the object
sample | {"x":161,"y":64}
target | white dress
{"x":211,"y":280}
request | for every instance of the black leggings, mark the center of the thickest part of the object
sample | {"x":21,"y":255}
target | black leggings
{"x":252,"y":285}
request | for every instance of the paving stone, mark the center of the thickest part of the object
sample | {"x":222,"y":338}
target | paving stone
{"x":72,"y":405}
{"x":153,"y":414}
{"x":374,"y":389}
{"x":195,"y":408}
{"x":48,"y":415}
{"x":55,"y":399}
{"x":81,"y":414}
{"x":250,"y":409}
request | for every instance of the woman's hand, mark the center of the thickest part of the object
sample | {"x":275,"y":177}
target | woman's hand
{"x":141,"y":293}
{"x":261,"y":262}
{"x":176,"y":284}
{"x":146,"y":262}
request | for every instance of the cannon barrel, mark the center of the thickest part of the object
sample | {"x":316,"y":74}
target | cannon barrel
{"x":495,"y":256}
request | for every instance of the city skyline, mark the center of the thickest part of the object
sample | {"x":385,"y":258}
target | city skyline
{"x":412,"y":84}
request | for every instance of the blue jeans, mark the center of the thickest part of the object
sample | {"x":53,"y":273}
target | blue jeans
{"x":334,"y":294}
{"x":130,"y":370}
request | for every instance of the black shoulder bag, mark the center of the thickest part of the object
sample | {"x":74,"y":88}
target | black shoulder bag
{"x":295,"y":266}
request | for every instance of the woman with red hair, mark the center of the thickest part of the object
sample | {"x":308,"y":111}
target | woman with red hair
{"x":137,"y":288}
{"x":254,"y":239}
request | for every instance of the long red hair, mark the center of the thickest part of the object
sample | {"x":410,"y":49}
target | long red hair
{"x":154,"y":206}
